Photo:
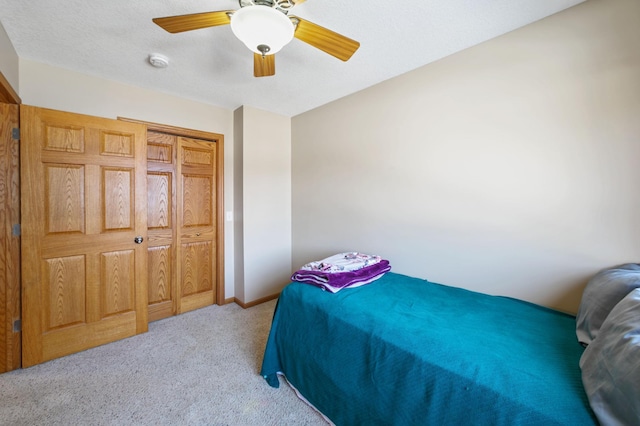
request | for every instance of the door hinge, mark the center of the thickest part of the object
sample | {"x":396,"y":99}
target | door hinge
{"x":15,"y":133}
{"x":17,"y":326}
{"x":16,"y":230}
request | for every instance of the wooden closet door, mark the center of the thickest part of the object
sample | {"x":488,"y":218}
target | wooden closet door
{"x":84,"y":213}
{"x":161,"y":222}
{"x":182,"y":181}
{"x":196,"y":223}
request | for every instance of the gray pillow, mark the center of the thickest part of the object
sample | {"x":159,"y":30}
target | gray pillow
{"x":602,"y":293}
{"x":611,"y":365}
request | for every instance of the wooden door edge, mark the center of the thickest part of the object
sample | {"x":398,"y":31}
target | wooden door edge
{"x":10,"y":293}
{"x":219,"y":296}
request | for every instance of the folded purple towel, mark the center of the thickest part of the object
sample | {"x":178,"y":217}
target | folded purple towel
{"x":336,"y":281}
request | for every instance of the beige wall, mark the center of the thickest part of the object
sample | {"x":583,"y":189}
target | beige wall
{"x":263,"y":203}
{"x":238,"y":207}
{"x":56,"y":88}
{"x":9,"y":63}
{"x":509,"y":168}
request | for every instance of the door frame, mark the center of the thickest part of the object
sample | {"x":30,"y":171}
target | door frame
{"x":7,"y":94}
{"x":219,"y":140}
{"x":10,"y":291}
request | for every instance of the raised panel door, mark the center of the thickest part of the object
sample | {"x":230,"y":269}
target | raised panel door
{"x":161,"y":218}
{"x":197,"y":223}
{"x":84,"y":204}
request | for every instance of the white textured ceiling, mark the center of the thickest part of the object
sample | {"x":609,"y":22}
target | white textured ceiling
{"x":113,"y":39}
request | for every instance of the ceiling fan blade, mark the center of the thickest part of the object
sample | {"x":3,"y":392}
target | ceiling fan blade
{"x":194,"y":21}
{"x":326,"y":40}
{"x":264,"y":66}
{"x":296,"y":2}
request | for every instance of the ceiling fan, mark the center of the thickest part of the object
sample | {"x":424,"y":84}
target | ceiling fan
{"x":265,"y":27}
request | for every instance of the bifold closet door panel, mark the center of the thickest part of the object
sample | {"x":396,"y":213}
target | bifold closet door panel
{"x":197,"y":221}
{"x":161,"y":222}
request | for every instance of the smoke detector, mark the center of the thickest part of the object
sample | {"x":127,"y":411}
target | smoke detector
{"x":158,"y":60}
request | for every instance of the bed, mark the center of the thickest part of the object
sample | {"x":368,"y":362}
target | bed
{"x":403,"y":351}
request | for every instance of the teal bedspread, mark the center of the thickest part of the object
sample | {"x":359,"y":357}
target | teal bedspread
{"x":405,"y":351}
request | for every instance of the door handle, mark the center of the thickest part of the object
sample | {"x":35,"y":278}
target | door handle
{"x":138,"y":240}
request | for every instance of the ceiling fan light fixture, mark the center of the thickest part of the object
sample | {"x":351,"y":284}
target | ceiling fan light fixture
{"x":262,"y":29}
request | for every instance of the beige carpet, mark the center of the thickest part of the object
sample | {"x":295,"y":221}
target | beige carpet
{"x":199,"y":368}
